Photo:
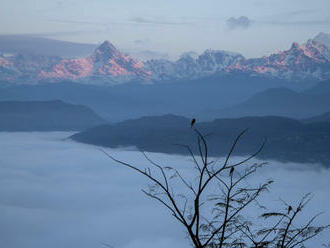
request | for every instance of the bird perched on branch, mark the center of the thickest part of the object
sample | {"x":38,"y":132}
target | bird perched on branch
{"x":192,"y":122}
{"x":289,"y":209}
{"x":231,"y":171}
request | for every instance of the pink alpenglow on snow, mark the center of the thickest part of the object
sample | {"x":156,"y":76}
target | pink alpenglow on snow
{"x":307,"y":58}
{"x":69,"y":69}
{"x":5,"y":63}
{"x":107,"y":64}
{"x":105,"y":61}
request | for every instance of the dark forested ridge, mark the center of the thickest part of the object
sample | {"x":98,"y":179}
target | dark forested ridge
{"x":287,"y":139}
{"x":46,"y":116}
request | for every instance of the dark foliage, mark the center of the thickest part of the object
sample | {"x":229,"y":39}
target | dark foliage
{"x":288,"y":139}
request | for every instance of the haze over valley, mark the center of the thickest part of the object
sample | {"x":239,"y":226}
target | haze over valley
{"x":73,"y":194}
{"x":218,"y":110}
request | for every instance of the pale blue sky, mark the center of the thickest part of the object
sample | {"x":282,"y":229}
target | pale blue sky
{"x":171,"y":26}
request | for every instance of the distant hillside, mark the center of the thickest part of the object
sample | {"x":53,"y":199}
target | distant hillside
{"x":279,"y":102}
{"x":27,"y":44}
{"x":320,"y":118}
{"x":133,"y":100}
{"x":287,"y":139}
{"x":46,"y":116}
{"x":319,"y":89}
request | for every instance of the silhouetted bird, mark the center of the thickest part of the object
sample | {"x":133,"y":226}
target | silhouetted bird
{"x":193,"y":122}
{"x":231,"y":171}
{"x":289,"y":209}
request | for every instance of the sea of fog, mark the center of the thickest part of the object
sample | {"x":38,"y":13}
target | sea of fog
{"x":58,"y":193}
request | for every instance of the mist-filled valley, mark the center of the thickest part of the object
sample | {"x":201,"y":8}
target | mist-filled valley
{"x":59,"y":193}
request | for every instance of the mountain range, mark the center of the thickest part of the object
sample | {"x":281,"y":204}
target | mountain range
{"x":107,"y":65}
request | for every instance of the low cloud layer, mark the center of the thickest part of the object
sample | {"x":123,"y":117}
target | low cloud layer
{"x":57,"y":193}
{"x":140,"y":42}
{"x":242,"y":22}
{"x":158,"y":21}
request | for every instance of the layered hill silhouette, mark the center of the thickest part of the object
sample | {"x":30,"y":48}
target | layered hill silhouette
{"x":46,"y":116}
{"x":280,"y":102}
{"x":320,"y":118}
{"x":287,"y":139}
{"x":131,"y":100}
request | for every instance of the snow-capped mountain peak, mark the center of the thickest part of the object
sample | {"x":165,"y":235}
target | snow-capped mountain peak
{"x":323,"y":38}
{"x":189,"y":55}
{"x":306,"y":61}
{"x":106,"y":64}
{"x":191,"y":66}
{"x":105,"y":52}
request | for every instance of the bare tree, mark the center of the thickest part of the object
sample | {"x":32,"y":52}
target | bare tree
{"x":213,"y":206}
{"x":283,"y":231}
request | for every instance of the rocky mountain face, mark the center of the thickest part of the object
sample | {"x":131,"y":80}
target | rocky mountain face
{"x":309,"y":61}
{"x":189,"y":66}
{"x":24,"y":67}
{"x":105,"y":64}
{"x":323,"y":38}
